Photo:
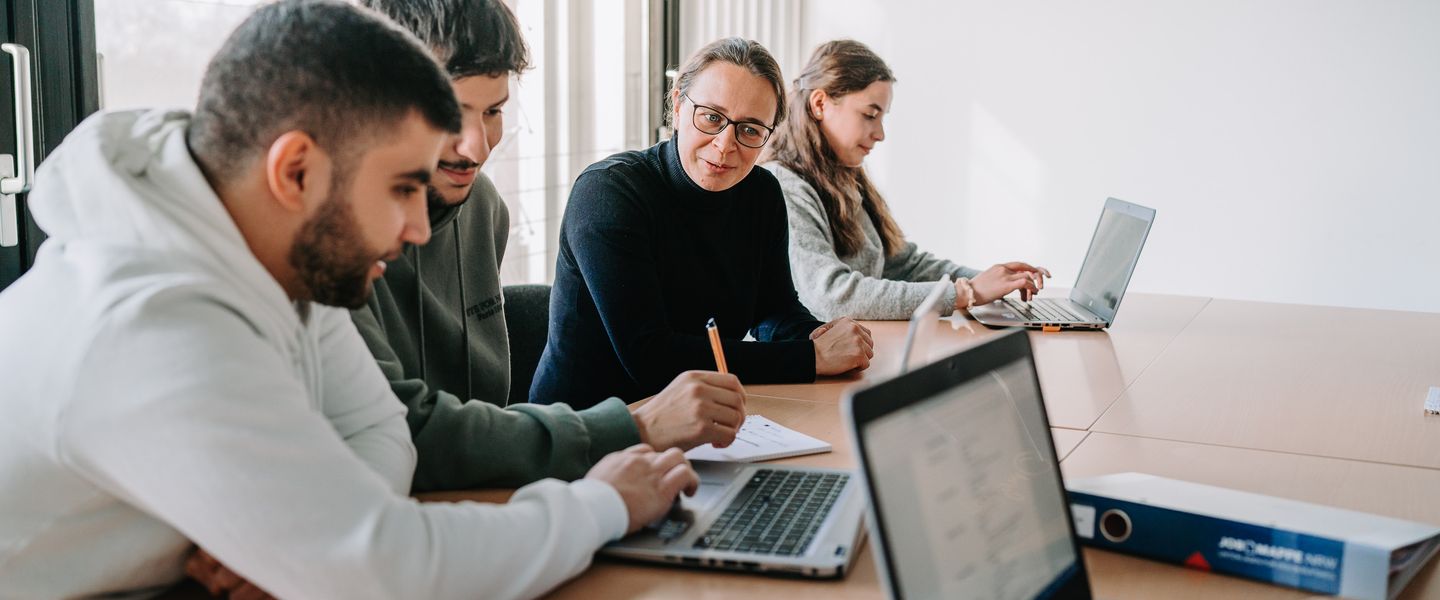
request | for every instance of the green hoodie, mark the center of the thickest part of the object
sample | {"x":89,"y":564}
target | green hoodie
{"x":433,"y":359}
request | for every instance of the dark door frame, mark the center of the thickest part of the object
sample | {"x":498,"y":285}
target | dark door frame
{"x":60,"y":35}
{"x":664,"y":59}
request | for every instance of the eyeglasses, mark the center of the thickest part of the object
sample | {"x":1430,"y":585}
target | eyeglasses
{"x":710,"y":121}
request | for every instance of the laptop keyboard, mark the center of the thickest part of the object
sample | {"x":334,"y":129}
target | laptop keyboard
{"x":777,"y":513}
{"x":1043,"y":310}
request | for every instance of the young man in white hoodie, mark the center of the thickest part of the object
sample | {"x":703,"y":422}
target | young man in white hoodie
{"x":176,"y":371}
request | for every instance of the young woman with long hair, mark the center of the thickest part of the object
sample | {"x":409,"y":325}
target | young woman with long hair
{"x":847,"y":254}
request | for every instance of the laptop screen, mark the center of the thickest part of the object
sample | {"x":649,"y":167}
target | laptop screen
{"x":1111,"y":259}
{"x":916,"y":351}
{"x":966,"y":491}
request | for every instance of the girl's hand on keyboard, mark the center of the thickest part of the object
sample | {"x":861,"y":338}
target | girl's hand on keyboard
{"x":998,"y":281}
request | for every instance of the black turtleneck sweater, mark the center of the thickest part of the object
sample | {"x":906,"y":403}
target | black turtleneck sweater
{"x":646,"y":258}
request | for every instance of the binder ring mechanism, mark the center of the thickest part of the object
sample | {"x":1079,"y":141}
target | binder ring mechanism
{"x":1115,"y":525}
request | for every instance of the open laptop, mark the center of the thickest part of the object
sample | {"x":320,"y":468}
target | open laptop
{"x":966,"y":499}
{"x":776,"y":519}
{"x":772,"y":518}
{"x":1114,"y":251}
{"x":922,"y":327}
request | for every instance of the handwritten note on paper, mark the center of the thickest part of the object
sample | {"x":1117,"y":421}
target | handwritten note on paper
{"x":761,"y":439}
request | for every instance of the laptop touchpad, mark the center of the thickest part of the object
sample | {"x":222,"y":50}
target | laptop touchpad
{"x":709,"y":493}
{"x":715,"y":479}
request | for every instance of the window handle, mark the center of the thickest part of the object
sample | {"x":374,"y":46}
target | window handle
{"x":9,"y":213}
{"x":15,"y":177}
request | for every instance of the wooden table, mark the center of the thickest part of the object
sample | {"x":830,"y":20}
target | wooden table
{"x":1081,"y":372}
{"x":1316,"y":404}
{"x":1338,"y":382}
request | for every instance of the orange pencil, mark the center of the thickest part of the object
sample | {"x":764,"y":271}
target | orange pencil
{"x":715,"y":345}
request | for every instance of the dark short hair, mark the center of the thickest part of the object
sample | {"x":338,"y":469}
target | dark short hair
{"x":340,"y":73}
{"x":469,"y":37}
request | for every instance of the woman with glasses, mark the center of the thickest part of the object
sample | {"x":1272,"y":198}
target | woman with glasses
{"x":848,"y":254}
{"x":654,"y":243}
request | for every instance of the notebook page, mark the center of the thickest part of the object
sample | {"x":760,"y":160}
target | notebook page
{"x":761,"y":439}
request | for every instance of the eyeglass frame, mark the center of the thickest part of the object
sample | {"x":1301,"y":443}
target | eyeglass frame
{"x":696,"y":106}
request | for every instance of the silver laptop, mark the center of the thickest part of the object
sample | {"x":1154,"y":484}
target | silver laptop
{"x":916,"y":351}
{"x":964,"y":487}
{"x":775,"y":519}
{"x":1111,"y":259}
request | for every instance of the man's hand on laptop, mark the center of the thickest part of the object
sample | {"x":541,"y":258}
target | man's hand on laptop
{"x":648,"y":481}
{"x":219,"y":580}
{"x":841,"y":346}
{"x":697,"y":408}
{"x":998,"y":281}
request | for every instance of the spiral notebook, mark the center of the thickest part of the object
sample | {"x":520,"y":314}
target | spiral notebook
{"x":761,"y":439}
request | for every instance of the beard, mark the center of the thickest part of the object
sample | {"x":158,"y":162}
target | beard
{"x":434,"y":202}
{"x":331,"y":258}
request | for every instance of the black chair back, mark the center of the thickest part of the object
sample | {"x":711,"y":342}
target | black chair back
{"x":527,"y":320}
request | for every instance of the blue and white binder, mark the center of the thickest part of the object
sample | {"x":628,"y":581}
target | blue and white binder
{"x":1285,"y":542}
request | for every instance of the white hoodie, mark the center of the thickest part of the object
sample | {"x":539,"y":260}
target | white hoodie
{"x":160,"y":388}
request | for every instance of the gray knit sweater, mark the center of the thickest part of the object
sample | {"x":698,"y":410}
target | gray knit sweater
{"x":865,"y":285}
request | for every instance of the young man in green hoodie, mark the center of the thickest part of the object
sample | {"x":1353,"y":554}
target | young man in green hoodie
{"x":436,"y":321}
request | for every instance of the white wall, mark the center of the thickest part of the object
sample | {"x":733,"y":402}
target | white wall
{"x":155,"y":51}
{"x":1290,"y":147}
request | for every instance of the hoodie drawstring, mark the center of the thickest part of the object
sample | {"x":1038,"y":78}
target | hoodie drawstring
{"x":464,"y":318}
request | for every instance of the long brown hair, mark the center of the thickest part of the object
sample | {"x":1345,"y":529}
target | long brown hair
{"x":838,"y":68}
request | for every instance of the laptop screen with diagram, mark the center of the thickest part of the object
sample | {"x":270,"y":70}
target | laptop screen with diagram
{"x":967,"y":492}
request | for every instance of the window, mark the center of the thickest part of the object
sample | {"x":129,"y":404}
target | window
{"x":588,"y":96}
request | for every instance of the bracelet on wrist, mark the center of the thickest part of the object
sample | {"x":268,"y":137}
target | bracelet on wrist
{"x":969,"y":289}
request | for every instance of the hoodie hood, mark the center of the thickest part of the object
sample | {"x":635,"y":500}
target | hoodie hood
{"x":124,"y":192}
{"x":127,"y":178}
